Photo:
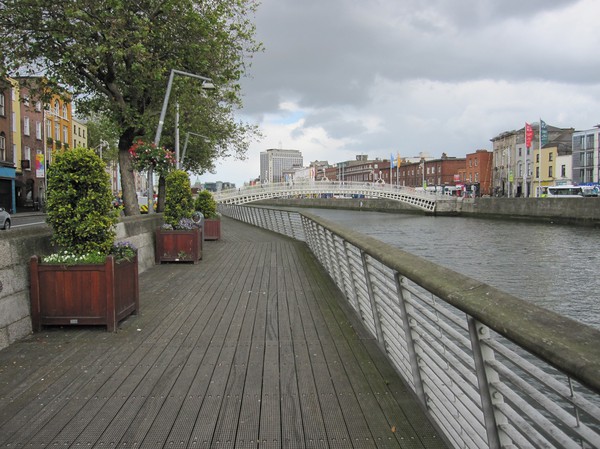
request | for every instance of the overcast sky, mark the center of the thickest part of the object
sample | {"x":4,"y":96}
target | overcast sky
{"x":378,"y":77}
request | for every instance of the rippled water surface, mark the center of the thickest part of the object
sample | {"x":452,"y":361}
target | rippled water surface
{"x":557,"y":267}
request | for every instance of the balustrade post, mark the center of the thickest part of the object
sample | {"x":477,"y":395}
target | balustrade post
{"x":352,"y":291}
{"x":485,"y":376}
{"x":374,"y":311}
{"x":410,"y":342}
{"x":306,"y":227}
{"x":322,"y":242}
{"x":335,"y":263}
{"x":317,"y":250}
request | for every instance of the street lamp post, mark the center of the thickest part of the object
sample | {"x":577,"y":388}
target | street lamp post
{"x":206,"y":84}
{"x":185,"y":144}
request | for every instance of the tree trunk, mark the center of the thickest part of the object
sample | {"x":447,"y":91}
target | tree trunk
{"x":127,"y":177}
{"x":161,"y":194}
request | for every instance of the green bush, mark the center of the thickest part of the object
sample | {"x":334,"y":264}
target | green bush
{"x":178,"y":198}
{"x":206,"y":204}
{"x":79,"y":203}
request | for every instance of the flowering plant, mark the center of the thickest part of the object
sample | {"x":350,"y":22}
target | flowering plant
{"x":147,"y":155}
{"x":184,"y":223}
{"x":188,"y":223}
{"x":70,"y":258}
{"x":123,"y":251}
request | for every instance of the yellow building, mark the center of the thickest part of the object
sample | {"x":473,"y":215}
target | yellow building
{"x":80,"y":134}
{"x":551,"y":165}
{"x":545,"y":166}
{"x":16,"y":123}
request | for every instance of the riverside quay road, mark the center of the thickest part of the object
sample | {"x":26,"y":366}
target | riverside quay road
{"x":253,"y":347}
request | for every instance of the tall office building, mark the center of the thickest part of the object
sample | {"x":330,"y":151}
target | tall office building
{"x":273,"y":162}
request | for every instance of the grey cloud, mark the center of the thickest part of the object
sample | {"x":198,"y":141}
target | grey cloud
{"x":437,"y":76}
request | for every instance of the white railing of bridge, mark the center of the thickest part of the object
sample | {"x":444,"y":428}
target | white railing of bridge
{"x":418,"y":198}
{"x":492,"y":370}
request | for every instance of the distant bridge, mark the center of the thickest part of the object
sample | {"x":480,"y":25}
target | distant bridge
{"x":409,"y":195}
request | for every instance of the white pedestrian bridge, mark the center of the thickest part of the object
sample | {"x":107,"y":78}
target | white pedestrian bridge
{"x":418,"y":198}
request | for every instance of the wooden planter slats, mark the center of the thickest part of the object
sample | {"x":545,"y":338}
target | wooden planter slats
{"x":178,"y":245}
{"x":212,"y":229}
{"x":91,"y":294}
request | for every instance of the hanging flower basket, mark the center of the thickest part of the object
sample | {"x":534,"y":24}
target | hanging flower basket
{"x":148,"y":156}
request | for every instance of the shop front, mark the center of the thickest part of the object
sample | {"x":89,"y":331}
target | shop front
{"x":7,"y":186}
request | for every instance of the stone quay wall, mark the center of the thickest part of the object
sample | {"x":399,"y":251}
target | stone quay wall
{"x":19,"y":244}
{"x":573,"y":211}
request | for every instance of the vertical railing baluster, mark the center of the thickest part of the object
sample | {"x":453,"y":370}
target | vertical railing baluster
{"x":410,"y":342}
{"x":477,"y":333}
{"x":352,"y":282}
{"x":334,"y":257}
{"x":374,"y":311}
{"x":339,"y":263}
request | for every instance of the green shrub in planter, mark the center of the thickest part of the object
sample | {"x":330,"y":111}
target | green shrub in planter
{"x":79,"y":203}
{"x":206,"y":204}
{"x":179,"y":203}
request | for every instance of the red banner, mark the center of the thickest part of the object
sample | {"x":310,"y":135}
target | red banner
{"x":528,"y":135}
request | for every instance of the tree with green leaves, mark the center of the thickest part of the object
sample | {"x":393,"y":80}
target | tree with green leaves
{"x":117,"y":55}
{"x":101,"y":134}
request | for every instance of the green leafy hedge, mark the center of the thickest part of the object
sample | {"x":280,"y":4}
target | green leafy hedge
{"x":206,"y":204}
{"x":79,"y":202}
{"x":178,"y":198}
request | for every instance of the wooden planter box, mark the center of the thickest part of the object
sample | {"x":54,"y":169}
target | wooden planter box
{"x":212,"y":229}
{"x":83,"y":294}
{"x":178,"y":245}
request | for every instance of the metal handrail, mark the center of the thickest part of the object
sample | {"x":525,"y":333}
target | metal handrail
{"x":492,"y":370}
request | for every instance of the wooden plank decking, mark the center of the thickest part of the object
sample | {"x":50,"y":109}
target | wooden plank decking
{"x":250,"y":348}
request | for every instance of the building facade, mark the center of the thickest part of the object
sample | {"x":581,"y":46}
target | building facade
{"x":432,"y":173}
{"x":520,"y":170}
{"x":33,"y":160}
{"x":8,"y":154}
{"x":553,"y":163}
{"x":273,"y":162}
{"x":478,"y":172}
{"x":80,"y":138}
{"x":586,"y":156}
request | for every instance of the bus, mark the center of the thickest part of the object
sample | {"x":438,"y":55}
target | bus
{"x":568,"y":191}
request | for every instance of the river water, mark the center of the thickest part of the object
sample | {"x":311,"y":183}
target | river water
{"x":554,"y":266}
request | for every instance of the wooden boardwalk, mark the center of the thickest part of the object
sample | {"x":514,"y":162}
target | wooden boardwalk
{"x":250,"y":348}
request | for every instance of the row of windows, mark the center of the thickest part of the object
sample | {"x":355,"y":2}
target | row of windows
{"x":584,"y":142}
{"x":563,"y":171}
{"x":550,"y":157}
{"x":38,"y":105}
{"x":78,"y":131}
{"x":65,"y":131}
{"x":27,"y":131}
{"x":57,"y":109}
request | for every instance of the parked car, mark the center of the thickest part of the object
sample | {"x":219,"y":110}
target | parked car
{"x":4,"y":219}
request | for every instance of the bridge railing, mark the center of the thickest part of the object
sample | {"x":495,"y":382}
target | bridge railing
{"x":419,"y":198}
{"x":492,"y":370}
